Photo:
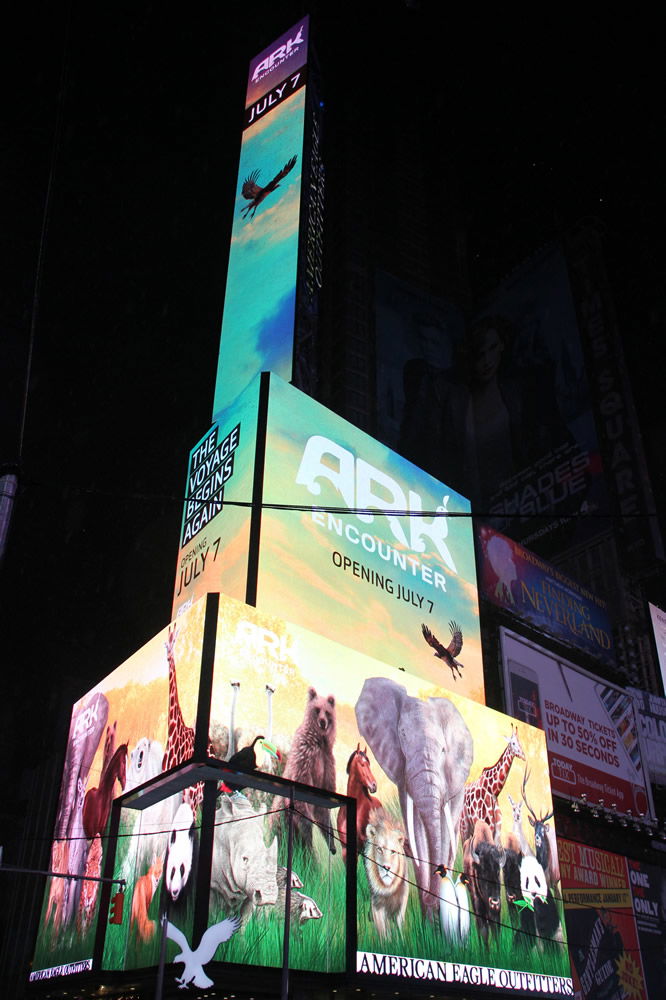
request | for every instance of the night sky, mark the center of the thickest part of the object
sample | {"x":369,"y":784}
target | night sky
{"x":550,"y":119}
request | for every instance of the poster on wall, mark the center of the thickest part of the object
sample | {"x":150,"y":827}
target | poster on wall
{"x":420,"y":761}
{"x":260,"y":299}
{"x":519,"y":581}
{"x":215,"y":530}
{"x":360,"y":545}
{"x":648,"y":891}
{"x":603,"y":942}
{"x":118,"y":739}
{"x":590,"y":725}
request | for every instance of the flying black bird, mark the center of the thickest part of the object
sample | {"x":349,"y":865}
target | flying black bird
{"x":255,"y":194}
{"x":447,"y":653}
{"x":246,"y":759}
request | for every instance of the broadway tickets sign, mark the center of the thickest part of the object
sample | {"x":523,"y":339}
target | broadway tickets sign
{"x":519,"y":581}
{"x":603,"y":942}
{"x":591,"y":727}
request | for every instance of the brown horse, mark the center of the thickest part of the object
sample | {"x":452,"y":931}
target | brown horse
{"x":97,"y":803}
{"x":361,"y":785}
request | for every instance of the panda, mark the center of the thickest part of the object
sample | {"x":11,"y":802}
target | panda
{"x":542,"y":922}
{"x":180,"y":852}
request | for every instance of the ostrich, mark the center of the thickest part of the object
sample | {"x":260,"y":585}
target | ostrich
{"x":234,"y":698}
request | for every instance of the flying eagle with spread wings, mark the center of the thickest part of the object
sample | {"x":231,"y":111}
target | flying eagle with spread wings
{"x":447,"y":653}
{"x":255,"y":194}
{"x":194,"y":961}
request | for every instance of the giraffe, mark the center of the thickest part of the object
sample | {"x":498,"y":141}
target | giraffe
{"x":180,"y":738}
{"x":480,"y":799}
{"x":89,"y":890}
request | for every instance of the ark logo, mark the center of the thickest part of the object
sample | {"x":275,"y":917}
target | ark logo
{"x":362,"y":486}
{"x":278,"y":56}
{"x":88,"y":719}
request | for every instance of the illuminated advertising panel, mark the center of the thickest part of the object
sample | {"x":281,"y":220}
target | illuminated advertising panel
{"x":414,"y":755}
{"x":534,"y":447}
{"x":591,"y":728}
{"x":603,"y":942}
{"x":377,"y":554}
{"x":260,"y":299}
{"x":648,"y":891}
{"x":517,"y":580}
{"x":216,"y":514}
{"x":118,"y":738}
{"x":284,"y":56}
{"x":658,"y":619}
{"x":651,"y":713}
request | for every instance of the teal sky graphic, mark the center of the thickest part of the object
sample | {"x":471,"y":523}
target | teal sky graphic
{"x":258,"y":321}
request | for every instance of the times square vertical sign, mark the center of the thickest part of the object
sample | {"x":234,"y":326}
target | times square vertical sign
{"x":274,"y":271}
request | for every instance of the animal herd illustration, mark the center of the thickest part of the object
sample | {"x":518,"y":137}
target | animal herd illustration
{"x":436,"y":837}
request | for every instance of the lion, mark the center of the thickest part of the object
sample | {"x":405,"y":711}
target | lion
{"x":386,"y":868}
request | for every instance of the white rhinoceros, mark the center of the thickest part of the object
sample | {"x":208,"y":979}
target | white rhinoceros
{"x":244,"y":871}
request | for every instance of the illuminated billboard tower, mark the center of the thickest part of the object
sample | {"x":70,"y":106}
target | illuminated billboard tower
{"x":274,"y":273}
{"x":293,"y":509}
{"x":340,"y":575}
{"x":326,"y":613}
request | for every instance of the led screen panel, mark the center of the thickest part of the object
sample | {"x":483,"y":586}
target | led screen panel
{"x":603,"y":942}
{"x":367,"y":557}
{"x":648,"y":891}
{"x":590,"y":725}
{"x":117,"y":740}
{"x":515,"y":579}
{"x":406,"y":749}
{"x":215,"y":530}
{"x":260,"y":298}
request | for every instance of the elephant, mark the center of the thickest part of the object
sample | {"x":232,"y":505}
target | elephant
{"x":426,"y":749}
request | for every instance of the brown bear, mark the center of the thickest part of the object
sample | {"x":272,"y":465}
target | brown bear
{"x":311,"y":762}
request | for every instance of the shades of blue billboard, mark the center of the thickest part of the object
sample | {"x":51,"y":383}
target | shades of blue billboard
{"x":259,"y":308}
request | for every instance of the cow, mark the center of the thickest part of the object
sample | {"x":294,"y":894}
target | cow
{"x":482,"y":862}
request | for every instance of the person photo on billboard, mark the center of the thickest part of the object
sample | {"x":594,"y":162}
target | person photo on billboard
{"x":492,"y":416}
